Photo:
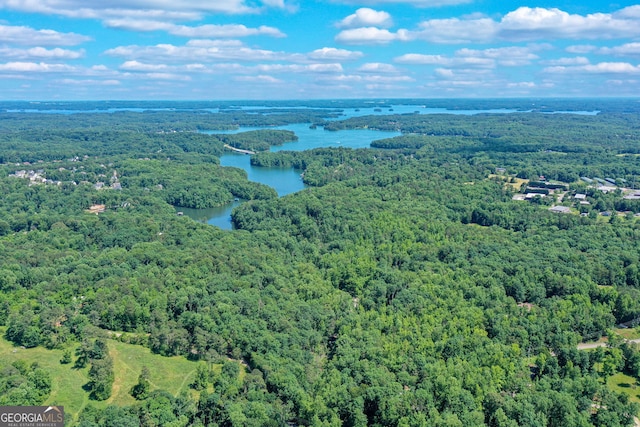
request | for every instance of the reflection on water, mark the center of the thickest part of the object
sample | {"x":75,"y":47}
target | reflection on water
{"x":219,"y":216}
{"x":283,"y":180}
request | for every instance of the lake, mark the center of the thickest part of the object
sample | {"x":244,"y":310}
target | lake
{"x":286,"y":180}
{"x":283,"y":180}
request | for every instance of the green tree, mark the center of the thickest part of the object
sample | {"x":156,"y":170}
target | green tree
{"x":141,"y":390}
{"x":66,"y":357}
{"x":101,"y":378}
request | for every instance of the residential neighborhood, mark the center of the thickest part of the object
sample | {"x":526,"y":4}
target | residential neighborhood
{"x":582,"y":197}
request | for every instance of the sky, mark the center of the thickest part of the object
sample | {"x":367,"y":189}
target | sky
{"x":305,"y":49}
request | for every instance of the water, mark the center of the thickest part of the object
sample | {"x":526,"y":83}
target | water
{"x":415,"y":109}
{"x":347,"y":113}
{"x":219,"y":216}
{"x":375,"y":109}
{"x":283,"y":180}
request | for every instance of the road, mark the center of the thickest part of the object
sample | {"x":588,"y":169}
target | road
{"x":238,"y":150}
{"x":592,"y":345}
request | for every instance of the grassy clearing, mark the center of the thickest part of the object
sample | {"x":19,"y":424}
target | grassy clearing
{"x":67,"y":382}
{"x":622,"y":383}
{"x":173,"y":374}
{"x":628,"y":333}
{"x":516,"y":184}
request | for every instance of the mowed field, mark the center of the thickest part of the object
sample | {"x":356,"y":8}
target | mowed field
{"x":173,"y":374}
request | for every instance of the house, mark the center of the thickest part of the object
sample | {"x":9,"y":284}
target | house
{"x":537,"y":190}
{"x":96,"y":209}
{"x":580,"y":196}
{"x":529,"y":196}
{"x":560,"y":209}
{"x":607,"y":189}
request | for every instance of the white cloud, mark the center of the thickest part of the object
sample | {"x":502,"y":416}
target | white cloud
{"x":631,"y":12}
{"x":88,"y":82}
{"x":214,"y":43}
{"x":600,"y":68}
{"x":324,"y":68}
{"x":370,"y":35}
{"x":204,"y":31}
{"x":258,"y":79}
{"x":365,"y":17}
{"x":26,"y":36}
{"x":40,"y":53}
{"x":418,"y":58}
{"x":581,"y":49}
{"x":357,"y":78}
{"x":578,"y":60}
{"x":377,"y":67}
{"x":388,"y":79}
{"x":522,"y":24}
{"x":168,"y":8}
{"x":455,"y":30}
{"x":445,"y":61}
{"x":627,"y":49}
{"x":526,"y":85}
{"x":140,"y":66}
{"x":416,"y":3}
{"x":296,"y":68}
{"x":167,"y":76}
{"x":31,"y":67}
{"x":511,"y":56}
{"x":527,"y":23}
{"x":333,"y":54}
{"x":201,"y":50}
{"x":508,"y":56}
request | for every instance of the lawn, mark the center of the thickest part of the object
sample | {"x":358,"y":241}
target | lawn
{"x":622,"y":383}
{"x":173,"y":374}
{"x":67,"y":382}
{"x":628,"y":333}
{"x":516,"y":184}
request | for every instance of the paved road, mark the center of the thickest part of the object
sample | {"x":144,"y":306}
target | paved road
{"x":591,"y":345}
{"x":238,"y":150}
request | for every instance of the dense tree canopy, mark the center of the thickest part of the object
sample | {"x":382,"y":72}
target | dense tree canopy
{"x":405,"y":287}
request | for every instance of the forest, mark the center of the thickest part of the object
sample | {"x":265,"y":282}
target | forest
{"x":406,"y":286}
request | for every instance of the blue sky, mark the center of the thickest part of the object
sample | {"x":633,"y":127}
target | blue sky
{"x":282,"y":49}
